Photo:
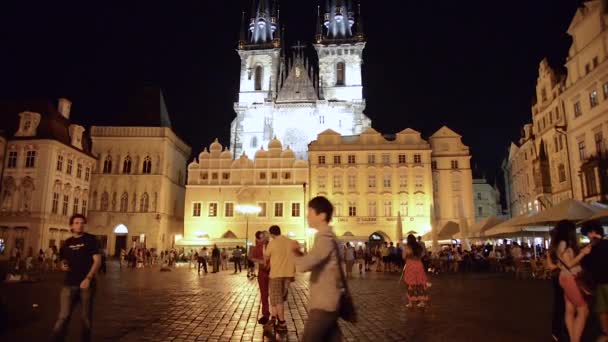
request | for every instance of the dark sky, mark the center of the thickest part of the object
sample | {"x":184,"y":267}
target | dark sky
{"x":470,"y":65}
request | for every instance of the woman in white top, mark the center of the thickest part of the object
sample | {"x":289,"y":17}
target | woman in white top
{"x":565,"y":253}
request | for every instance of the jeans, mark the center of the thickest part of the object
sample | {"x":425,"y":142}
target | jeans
{"x":68,"y":298}
{"x":203,"y":263}
{"x":263,"y":279}
{"x":321,"y":326}
{"x":237,"y":263}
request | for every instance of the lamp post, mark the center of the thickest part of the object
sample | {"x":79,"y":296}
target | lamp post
{"x":247,"y":209}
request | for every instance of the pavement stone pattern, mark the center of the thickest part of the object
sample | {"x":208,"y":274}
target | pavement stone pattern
{"x":149,"y":305}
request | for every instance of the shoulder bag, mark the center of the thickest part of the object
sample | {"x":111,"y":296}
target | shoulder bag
{"x":346,"y":306}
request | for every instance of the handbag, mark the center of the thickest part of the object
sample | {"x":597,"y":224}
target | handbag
{"x":346,"y":305}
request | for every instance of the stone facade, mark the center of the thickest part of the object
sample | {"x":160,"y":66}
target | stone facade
{"x":46,"y":179}
{"x":137,"y":188}
{"x":561,"y":153}
{"x":487,"y":200}
{"x":274,"y":180}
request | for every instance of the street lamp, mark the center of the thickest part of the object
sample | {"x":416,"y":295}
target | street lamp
{"x":247,"y":209}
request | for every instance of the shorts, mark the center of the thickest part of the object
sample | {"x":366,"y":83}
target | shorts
{"x":571,"y":291}
{"x":278,"y":288}
{"x":600,"y":298}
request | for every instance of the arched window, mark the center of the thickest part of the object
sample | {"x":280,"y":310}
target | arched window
{"x":144,"y":203}
{"x":340,"y":73}
{"x":105,"y":201}
{"x":259,"y":73}
{"x":107,"y":165}
{"x":124,"y":202}
{"x":147,"y":166}
{"x":254,"y":142}
{"x":126,"y":165}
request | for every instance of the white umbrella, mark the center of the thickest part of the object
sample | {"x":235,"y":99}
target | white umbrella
{"x":510,"y":226}
{"x":482,"y":226}
{"x":600,"y":215}
{"x":569,"y":209}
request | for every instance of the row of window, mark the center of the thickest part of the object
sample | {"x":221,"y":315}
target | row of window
{"x":386,"y":160}
{"x":144,"y":202}
{"x":372,"y":209}
{"x":593,"y":100}
{"x":386,"y":182}
{"x":65,"y":204}
{"x":262,"y":175}
{"x":13,"y":156}
{"x":69,"y":168}
{"x":146,"y":167}
{"x":229,"y":209}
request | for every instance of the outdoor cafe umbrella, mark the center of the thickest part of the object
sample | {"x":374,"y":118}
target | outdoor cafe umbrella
{"x":600,"y":215}
{"x":482,"y":226}
{"x":569,"y":209}
{"x":448,"y":231}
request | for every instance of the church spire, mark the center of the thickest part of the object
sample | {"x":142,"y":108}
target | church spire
{"x":339,"y":20}
{"x":264,"y":24}
{"x":243,"y":32}
{"x":360,"y":32}
{"x":319,"y":33}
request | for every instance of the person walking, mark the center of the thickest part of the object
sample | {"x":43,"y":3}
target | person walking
{"x":385,"y":257}
{"x":323,"y":263}
{"x":81,"y":259}
{"x":279,"y":256}
{"x":257,"y":256}
{"x":565,"y":250}
{"x":368,"y":257}
{"x":360,"y":258}
{"x":224,"y":259}
{"x":236,"y":256}
{"x":215,"y":258}
{"x":414,"y":275}
{"x":596,"y":263}
{"x":349,"y":257}
{"x":202,"y":260}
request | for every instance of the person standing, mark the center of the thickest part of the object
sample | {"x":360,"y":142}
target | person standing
{"x":202,"y":260}
{"x":81,"y":257}
{"x":596,"y":263}
{"x":414,"y":275}
{"x":224,"y":259}
{"x":360,"y":257}
{"x":385,"y":257}
{"x":279,"y":256}
{"x":236,"y":256}
{"x":368,"y":257}
{"x":565,"y":249}
{"x":323,"y":262}
{"x":257,"y":256}
{"x":349,"y":257}
{"x":215,"y":257}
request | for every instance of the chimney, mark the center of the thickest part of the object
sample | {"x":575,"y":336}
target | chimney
{"x":64,"y":107}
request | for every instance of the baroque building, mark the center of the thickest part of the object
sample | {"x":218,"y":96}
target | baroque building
{"x":561,"y":153}
{"x":138,"y":182}
{"x":373,"y":181}
{"x":282,"y":94}
{"x":46,"y":178}
{"x":486,"y":201}
{"x":274,"y":181}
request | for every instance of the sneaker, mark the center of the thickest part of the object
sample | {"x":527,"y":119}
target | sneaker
{"x":264,"y":320}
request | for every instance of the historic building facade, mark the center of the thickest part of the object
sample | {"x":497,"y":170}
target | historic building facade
{"x":138,"y":182}
{"x":561,"y":153}
{"x":47,"y":172}
{"x":282,"y":95}
{"x":585,"y":99}
{"x":486,"y":200}
{"x":218,"y":186}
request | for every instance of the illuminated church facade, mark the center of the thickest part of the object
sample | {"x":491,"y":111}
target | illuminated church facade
{"x":282,"y":95}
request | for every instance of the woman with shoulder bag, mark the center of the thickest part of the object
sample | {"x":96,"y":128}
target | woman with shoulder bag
{"x":565,"y":250}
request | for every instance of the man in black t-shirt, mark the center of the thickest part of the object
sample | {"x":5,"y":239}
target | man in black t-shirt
{"x":81,"y":259}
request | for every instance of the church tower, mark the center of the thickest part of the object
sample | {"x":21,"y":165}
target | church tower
{"x":339,"y":44}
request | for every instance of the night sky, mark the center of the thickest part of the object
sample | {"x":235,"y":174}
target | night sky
{"x":470,"y":65}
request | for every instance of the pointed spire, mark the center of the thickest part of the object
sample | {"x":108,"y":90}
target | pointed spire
{"x":319,"y":33}
{"x":360,"y":32}
{"x":243,"y":33}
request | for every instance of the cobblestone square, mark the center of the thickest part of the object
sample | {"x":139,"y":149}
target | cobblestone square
{"x":149,"y":305}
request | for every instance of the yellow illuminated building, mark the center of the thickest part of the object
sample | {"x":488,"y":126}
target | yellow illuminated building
{"x":218,"y":185}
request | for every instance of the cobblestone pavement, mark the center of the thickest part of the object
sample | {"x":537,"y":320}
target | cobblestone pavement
{"x":149,"y":305}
